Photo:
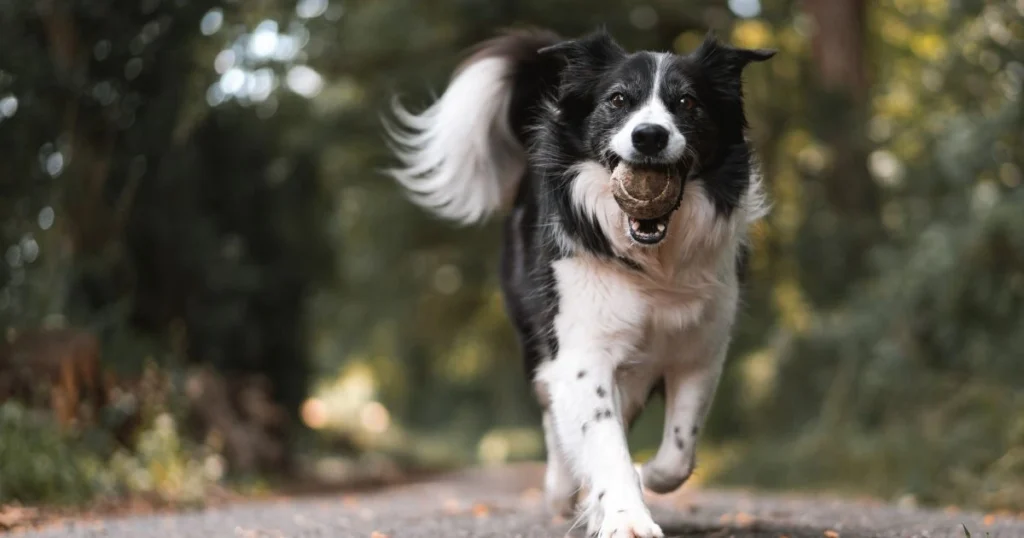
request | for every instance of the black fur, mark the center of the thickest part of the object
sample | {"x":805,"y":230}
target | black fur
{"x":562,"y":112}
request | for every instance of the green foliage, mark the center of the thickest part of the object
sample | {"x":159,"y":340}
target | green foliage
{"x":41,"y":463}
{"x":164,"y":464}
{"x":38,"y":463}
{"x":912,"y":383}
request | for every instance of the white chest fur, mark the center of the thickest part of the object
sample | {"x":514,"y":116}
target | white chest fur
{"x":679,"y":276}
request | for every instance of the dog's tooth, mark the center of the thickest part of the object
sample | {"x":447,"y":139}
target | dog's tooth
{"x":661,"y":226}
{"x":635,"y":224}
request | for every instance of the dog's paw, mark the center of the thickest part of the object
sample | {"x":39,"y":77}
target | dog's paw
{"x":625,"y":523}
{"x":665,"y":479}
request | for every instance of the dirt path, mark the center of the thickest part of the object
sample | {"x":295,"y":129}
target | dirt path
{"x":506,"y":502}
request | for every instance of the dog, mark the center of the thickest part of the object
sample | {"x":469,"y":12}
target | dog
{"x":608,"y":309}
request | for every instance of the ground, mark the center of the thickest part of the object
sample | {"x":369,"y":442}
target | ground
{"x":506,"y":502}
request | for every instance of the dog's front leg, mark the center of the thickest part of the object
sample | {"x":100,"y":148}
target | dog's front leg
{"x":688,"y":395}
{"x":598,"y":325}
{"x":691,"y":380}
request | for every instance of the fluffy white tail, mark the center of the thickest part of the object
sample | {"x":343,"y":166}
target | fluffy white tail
{"x":460,"y":158}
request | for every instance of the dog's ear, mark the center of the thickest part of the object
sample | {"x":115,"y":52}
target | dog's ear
{"x":714,"y":53}
{"x":593,"y":51}
{"x":724,"y":64}
{"x":580,"y":64}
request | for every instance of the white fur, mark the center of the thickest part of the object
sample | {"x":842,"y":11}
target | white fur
{"x":461,"y":159}
{"x":626,"y":329}
{"x":655,"y":112}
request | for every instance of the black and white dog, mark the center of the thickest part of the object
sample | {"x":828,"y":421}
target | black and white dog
{"x":608,"y":309}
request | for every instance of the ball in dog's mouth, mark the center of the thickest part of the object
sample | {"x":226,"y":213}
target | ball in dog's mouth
{"x":648,"y":196}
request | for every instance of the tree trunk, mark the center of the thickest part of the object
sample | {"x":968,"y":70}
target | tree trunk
{"x":847,"y":220}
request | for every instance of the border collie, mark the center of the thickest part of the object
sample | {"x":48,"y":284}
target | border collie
{"x":608,"y":309}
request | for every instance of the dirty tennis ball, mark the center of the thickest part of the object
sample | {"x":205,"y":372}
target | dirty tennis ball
{"x":645,"y":193}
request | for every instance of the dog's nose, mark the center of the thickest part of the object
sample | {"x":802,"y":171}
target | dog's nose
{"x":650,"y":139}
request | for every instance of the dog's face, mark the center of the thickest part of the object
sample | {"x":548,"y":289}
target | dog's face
{"x":645,"y":112}
{"x":652,"y":110}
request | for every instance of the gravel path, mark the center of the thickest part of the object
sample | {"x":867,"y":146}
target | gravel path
{"x":505,"y":502}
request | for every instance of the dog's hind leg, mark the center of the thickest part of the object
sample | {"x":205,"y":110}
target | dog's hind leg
{"x":560,"y":486}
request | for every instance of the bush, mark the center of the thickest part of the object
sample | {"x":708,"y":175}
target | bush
{"x":39,"y":463}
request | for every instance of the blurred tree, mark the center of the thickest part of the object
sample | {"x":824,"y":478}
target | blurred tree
{"x":156,"y":215}
{"x":843,"y":205}
{"x":911,"y":382}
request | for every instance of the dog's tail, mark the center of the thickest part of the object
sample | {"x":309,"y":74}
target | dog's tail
{"x":464,"y":156}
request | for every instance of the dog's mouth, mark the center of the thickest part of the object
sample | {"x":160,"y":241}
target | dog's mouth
{"x":649,"y":231}
{"x":648,"y":205}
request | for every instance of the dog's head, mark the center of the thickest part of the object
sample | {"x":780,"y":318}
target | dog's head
{"x":652,"y":110}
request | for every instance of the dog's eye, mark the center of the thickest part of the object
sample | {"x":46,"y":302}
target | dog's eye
{"x":687,"y":103}
{"x":617,"y":100}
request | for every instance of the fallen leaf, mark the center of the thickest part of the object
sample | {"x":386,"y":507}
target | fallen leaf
{"x":989,"y":520}
{"x":481,"y":510}
{"x":743,"y":519}
{"x":378,"y":534}
{"x":831,"y":534}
